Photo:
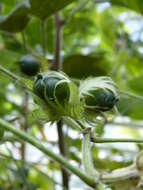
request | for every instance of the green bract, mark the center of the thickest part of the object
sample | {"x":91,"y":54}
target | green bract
{"x":59,"y":93}
{"x":29,"y":65}
{"x":99,"y":94}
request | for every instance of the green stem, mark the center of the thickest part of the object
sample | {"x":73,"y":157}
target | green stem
{"x":71,"y":122}
{"x":88,"y":162}
{"x":115,"y":140}
{"x":132,"y":124}
{"x":86,"y":155}
{"x":94,"y":139}
{"x":61,"y":160}
{"x":121,"y":174}
{"x":8,"y":73}
{"x":132,"y":95}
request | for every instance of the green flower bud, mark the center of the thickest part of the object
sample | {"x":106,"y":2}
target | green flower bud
{"x":99,"y":93}
{"x":52,"y":86}
{"x":58,"y":91}
{"x":29,"y":65}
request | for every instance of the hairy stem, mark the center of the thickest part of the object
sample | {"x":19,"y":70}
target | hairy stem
{"x":77,"y":125}
{"x":121,"y":174}
{"x":88,"y":162}
{"x":58,"y":158}
{"x":86,"y":155}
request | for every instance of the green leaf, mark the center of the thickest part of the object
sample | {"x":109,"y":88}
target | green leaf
{"x":46,"y":8}
{"x":80,"y":66}
{"x":42,"y":181}
{"x":134,"y":65}
{"x":136,"y":84}
{"x":136,"y":5}
{"x":16,"y":20}
{"x":131,"y":107}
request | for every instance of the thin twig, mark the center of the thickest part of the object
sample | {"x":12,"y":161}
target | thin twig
{"x":115,"y":140}
{"x":127,"y":124}
{"x":104,"y":140}
{"x":131,"y":95}
{"x":24,"y":42}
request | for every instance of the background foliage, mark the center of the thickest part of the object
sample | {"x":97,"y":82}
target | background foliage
{"x":99,"y":38}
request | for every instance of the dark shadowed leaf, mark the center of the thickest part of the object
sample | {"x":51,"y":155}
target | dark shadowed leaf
{"x":16,"y":20}
{"x":80,"y":66}
{"x":46,"y":8}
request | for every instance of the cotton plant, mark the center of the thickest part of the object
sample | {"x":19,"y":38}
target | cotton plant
{"x":61,"y":98}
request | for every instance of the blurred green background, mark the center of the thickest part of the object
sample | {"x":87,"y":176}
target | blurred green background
{"x":99,"y":38}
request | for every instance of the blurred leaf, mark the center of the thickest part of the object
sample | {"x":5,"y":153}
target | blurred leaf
{"x":40,"y":180}
{"x":130,"y":107}
{"x":46,"y":8}
{"x":136,"y":84}
{"x":9,"y":59}
{"x":136,"y":5}
{"x":109,"y":28}
{"x":134,"y":65}
{"x":34,"y":35}
{"x":81,"y":66}
{"x":16,"y":20}
{"x":7,"y":6}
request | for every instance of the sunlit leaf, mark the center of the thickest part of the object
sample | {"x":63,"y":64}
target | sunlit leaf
{"x":136,"y":5}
